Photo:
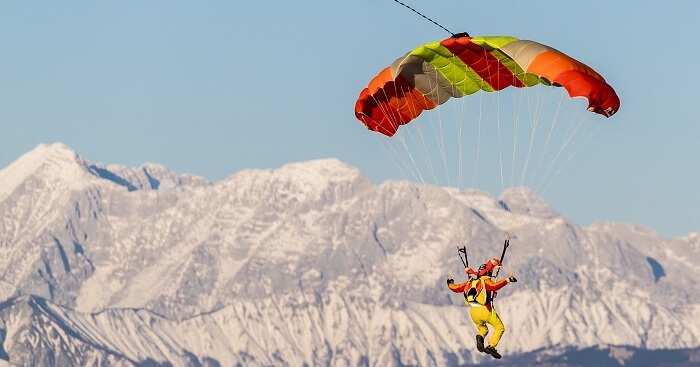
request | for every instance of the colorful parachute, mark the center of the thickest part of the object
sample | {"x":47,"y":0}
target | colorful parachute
{"x":429,"y":75}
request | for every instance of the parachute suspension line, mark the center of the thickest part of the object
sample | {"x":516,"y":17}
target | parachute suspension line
{"x":415,"y":169}
{"x":396,"y":158}
{"x":564,"y":145}
{"x":426,"y":152}
{"x":569,"y":135}
{"x":414,"y":163}
{"x":570,"y":157}
{"x":533,"y":133}
{"x":460,"y":135}
{"x":518,"y":98}
{"x":500,"y":146}
{"x":530,"y":118}
{"x":517,"y":105}
{"x":413,"y":166}
{"x":461,"y":146}
{"x":535,"y":124}
{"x":458,"y":119}
{"x":458,"y":236}
{"x":390,"y":149}
{"x":414,"y":172}
{"x":512,"y":212}
{"x":430,"y":20}
{"x":478,"y":141}
{"x":441,"y":139}
{"x":402,"y":138}
{"x":441,"y":145}
{"x":441,"y":142}
{"x":576,"y":136}
{"x":565,"y":163}
{"x":402,"y":135}
{"x":399,"y":162}
{"x":500,"y":159}
{"x":550,"y":134}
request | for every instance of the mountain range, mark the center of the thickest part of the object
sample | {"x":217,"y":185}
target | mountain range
{"x":313,"y":264}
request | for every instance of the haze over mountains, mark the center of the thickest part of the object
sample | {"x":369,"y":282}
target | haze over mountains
{"x":312,"y":263}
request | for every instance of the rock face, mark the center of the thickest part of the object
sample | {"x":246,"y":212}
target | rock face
{"x":311,"y":263}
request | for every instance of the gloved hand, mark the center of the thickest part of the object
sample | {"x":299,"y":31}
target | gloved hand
{"x":449,"y":279}
{"x":512,"y":279}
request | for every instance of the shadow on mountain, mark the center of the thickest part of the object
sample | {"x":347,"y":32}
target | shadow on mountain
{"x":109,"y":175}
{"x":656,"y":268}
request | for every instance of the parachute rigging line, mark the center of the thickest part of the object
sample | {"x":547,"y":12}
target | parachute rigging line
{"x":503,"y":254}
{"x":419,"y":13}
{"x":465,"y":259}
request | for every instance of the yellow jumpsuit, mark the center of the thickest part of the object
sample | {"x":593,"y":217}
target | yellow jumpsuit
{"x":484,"y":314}
{"x":481,"y":315}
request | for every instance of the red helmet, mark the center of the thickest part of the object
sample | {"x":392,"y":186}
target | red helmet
{"x":489,"y":266}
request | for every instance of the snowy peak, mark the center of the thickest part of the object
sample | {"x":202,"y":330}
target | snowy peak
{"x":319,"y":173}
{"x":329,"y":167}
{"x":309,"y":184}
{"x":59,"y":163}
{"x":53,"y":161}
{"x":331,"y":177}
{"x":522,"y":200}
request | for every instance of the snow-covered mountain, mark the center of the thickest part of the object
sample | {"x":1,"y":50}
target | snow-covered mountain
{"x":311,"y":264}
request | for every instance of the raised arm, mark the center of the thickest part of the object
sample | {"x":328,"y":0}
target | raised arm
{"x":492,"y":286}
{"x":457,"y":288}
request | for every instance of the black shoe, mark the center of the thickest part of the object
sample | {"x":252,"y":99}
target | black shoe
{"x":492,"y":351}
{"x":480,"y":343}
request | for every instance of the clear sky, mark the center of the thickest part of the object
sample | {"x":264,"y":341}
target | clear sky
{"x":214,"y":87}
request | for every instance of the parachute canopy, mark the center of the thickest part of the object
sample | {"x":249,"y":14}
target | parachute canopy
{"x":458,"y":66}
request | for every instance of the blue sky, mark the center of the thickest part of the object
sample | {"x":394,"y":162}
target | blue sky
{"x":214,"y":87}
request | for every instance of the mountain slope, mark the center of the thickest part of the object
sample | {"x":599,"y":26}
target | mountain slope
{"x":311,"y":263}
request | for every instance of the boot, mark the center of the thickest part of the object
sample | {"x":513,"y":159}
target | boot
{"x":480,"y":343}
{"x":492,"y":351}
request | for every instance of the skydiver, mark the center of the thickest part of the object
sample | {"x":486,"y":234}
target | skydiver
{"x":479,"y":292}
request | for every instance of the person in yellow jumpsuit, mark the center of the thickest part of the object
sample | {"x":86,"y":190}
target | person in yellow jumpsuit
{"x":479,"y":292}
